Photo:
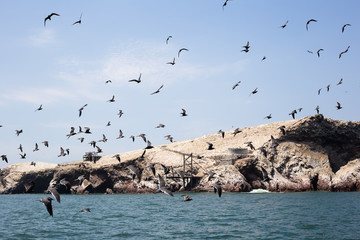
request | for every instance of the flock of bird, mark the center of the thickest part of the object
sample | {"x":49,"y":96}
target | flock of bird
{"x":82,"y":131}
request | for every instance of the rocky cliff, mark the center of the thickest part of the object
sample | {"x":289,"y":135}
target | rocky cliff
{"x":309,"y":154}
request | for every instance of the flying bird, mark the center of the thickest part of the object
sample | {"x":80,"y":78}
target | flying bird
{"x":268,"y":116}
{"x":148,"y":145}
{"x":121,"y":135}
{"x":250,"y":145}
{"x":246,"y":47}
{"x":340,"y":82}
{"x":22,"y":156}
{"x":136,"y":80}
{"x":55,"y":193}
{"x":20,"y":148}
{"x":210,"y":146}
{"x":72,"y":132}
{"x":318,"y":51}
{"x":18,"y":132}
{"x":225,"y":4}
{"x":167,"y":39}
{"x":222,"y":133}
{"x":319,"y":90}
{"x":62,"y":152}
{"x":81,"y":109}
{"x":307,"y":23}
{"x":49,"y":17}
{"x":217,"y":188}
{"x":343,"y":27}
{"x":264,"y":57}
{"x":183,"y":113}
{"x":117,"y":156}
{"x":134,"y":171}
{"x":310,"y":52}
{"x":347,"y":49}
{"x":120,"y":113}
{"x":317,"y":109}
{"x":254,"y":92}
{"x":236,"y":84}
{"x":328,"y":87}
{"x":293,"y":113}
{"x":284,"y":26}
{"x":182,"y":49}
{"x":171,"y":63}
{"x":47,"y":202}
{"x":282,"y":129}
{"x":78,"y":21}
{"x":39,"y":108}
{"x":108,"y":81}
{"x":160,"y":125}
{"x":338,"y":106}
{"x":163,"y":188}
{"x":4,"y":158}
{"x":36,"y":148}
{"x":112,"y":99}
{"x":236,"y":131}
{"x":157,"y":91}
{"x":133,"y":138}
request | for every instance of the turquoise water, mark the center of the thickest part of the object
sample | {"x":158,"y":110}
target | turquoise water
{"x":317,"y":215}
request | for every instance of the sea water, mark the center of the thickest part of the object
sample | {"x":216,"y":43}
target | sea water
{"x":311,"y":215}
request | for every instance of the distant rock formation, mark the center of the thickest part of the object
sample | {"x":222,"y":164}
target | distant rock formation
{"x":309,"y":154}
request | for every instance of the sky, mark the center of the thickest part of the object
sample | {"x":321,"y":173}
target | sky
{"x":62,"y":67}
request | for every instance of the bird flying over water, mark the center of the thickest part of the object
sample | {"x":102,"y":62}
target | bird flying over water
{"x":163,"y":188}
{"x":49,"y":17}
{"x":307,"y":23}
{"x":217,"y":188}
{"x":47,"y":202}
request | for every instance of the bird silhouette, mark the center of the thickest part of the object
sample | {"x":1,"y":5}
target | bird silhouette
{"x":307,"y":23}
{"x":318,"y":51}
{"x":293,"y":113}
{"x":22,"y":156}
{"x":18,"y":132}
{"x":268,"y":116}
{"x":78,"y":21}
{"x":210,"y":146}
{"x":246,"y":47}
{"x":171,"y":63}
{"x":49,"y":17}
{"x":338,"y":106}
{"x":143,"y":136}
{"x":282,"y":129}
{"x":117,"y":156}
{"x":182,"y":49}
{"x":20,"y":148}
{"x":160,"y":125}
{"x":328,"y":87}
{"x":39,"y":108}
{"x":112,"y":99}
{"x":133,"y":138}
{"x":81,"y":109}
{"x":319,"y":91}
{"x":347,"y":49}
{"x":343,"y":27}
{"x":36,"y":148}
{"x":121,"y":135}
{"x":148,"y":145}
{"x":236,"y":84}
{"x":157,"y":91}
{"x":222,"y":133}
{"x":72,"y":132}
{"x":317,"y":109}
{"x":340,"y":82}
{"x":284,"y":26}
{"x":254,"y":91}
{"x":250,"y":145}
{"x":167,"y":39}
{"x":4,"y":158}
{"x":236,"y":131}
{"x":183,"y":113}
{"x":136,"y":80}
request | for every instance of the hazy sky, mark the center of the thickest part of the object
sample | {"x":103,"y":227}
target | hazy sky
{"x":64,"y":66}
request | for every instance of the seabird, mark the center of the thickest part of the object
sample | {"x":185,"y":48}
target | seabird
{"x":217,"y":188}
{"x":20,"y":148}
{"x":307,"y":23}
{"x":254,"y":92}
{"x":236,"y":84}
{"x":117,"y":156}
{"x":23,"y":156}
{"x":183,"y":113}
{"x":182,"y":49}
{"x":81,"y":109}
{"x":211,"y":175}
{"x":172,"y":63}
{"x":343,"y":27}
{"x":246,"y":47}
{"x":134,"y":171}
{"x":148,"y":145}
{"x":49,"y":17}
{"x":186,"y":198}
{"x":210,"y":146}
{"x":236,"y":131}
{"x":347,"y":49}
{"x":293,"y":113}
{"x":120,"y":113}
{"x":36,"y":148}
{"x":268,"y":116}
{"x":39,"y":108}
{"x":152,"y":167}
{"x":284,"y":26}
{"x":29,"y":187}
{"x":166,"y":169}
{"x":4,"y":158}
{"x":55,"y":193}
{"x":47,"y":202}
{"x":46,"y":143}
{"x":162,"y":186}
{"x":282,"y":129}
{"x":338,"y":106}
{"x":157,"y":91}
{"x":85,"y":210}
{"x":72,"y":132}
{"x":340,"y":82}
{"x":78,"y":21}
{"x":160,"y":125}
{"x":167,"y":39}
{"x":18,"y":132}
{"x":222,"y":133}
{"x":318,"y":51}
{"x":136,"y":80}
{"x":250,"y":145}
{"x":317,"y":109}
{"x":66,"y":183}
{"x":121,"y":135}
{"x":112,"y":99}
{"x":143,"y":136}
{"x":133,"y":138}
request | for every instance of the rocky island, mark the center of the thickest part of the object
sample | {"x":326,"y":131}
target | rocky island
{"x":308,"y":154}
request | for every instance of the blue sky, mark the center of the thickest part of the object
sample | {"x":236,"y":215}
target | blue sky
{"x":64,"y":66}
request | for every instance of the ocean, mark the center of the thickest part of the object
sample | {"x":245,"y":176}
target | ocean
{"x":310,"y":215}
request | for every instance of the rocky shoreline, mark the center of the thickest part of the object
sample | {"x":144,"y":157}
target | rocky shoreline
{"x":311,"y":154}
